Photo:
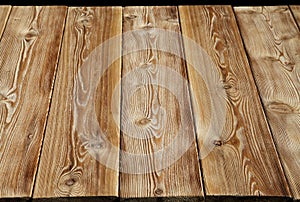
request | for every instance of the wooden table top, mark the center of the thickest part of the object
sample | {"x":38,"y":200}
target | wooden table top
{"x":150,"y":103}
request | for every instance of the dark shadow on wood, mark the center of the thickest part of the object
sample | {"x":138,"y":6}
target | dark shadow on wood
{"x":146,"y":3}
{"x":78,"y":199}
{"x":247,"y":198}
{"x":14,"y":199}
{"x":164,"y":199}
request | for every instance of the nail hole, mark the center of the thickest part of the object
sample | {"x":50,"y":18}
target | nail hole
{"x":218,"y":143}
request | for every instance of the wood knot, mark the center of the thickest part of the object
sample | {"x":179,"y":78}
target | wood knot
{"x":286,"y":63}
{"x":2,"y":97}
{"x":218,"y":143}
{"x":143,"y":121}
{"x":84,"y":22}
{"x":158,"y":191}
{"x":85,"y":18}
{"x":227,"y":86}
{"x":130,"y":16}
{"x":70,"y":182}
{"x":97,"y":146}
{"x":30,"y":136}
{"x":147,"y":26}
{"x":146,"y":65}
{"x":31,"y":35}
{"x":281,"y":108}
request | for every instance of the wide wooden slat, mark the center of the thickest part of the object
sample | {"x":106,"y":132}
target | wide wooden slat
{"x":155,"y":110}
{"x":243,"y":161}
{"x":67,"y":167}
{"x":272,"y":41}
{"x":4,"y":13}
{"x":28,"y":58}
{"x":296,"y":13}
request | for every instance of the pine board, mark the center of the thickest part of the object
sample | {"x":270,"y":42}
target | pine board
{"x":67,"y":167}
{"x":296,"y":12}
{"x":28,"y":58}
{"x":156,"y":110}
{"x":272,"y":41}
{"x":4,"y":13}
{"x":243,"y":160}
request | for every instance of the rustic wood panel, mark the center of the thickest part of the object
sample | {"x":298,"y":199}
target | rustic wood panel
{"x":154,"y":110}
{"x":296,"y":13}
{"x":272,"y":41}
{"x":243,"y":161}
{"x":28,"y":58}
{"x":4,"y":13}
{"x":67,"y":167}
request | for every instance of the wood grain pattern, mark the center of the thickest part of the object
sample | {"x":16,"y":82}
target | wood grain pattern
{"x":4,"y":13}
{"x":296,"y":13}
{"x":272,"y":41}
{"x":243,"y":161}
{"x":67,"y":169}
{"x":155,"y":110}
{"x":28,"y":58}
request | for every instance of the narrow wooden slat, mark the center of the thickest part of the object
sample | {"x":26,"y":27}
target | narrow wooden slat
{"x":4,"y":13}
{"x":156,"y":111}
{"x":296,"y":13}
{"x":243,"y":160}
{"x":67,"y":167}
{"x":28,"y":57}
{"x":272,"y":41}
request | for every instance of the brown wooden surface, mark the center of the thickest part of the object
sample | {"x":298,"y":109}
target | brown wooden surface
{"x":66,"y":167}
{"x":244,"y":161}
{"x":28,"y":58}
{"x":272,"y":41}
{"x":296,"y":12}
{"x":147,"y":109}
{"x":4,"y":13}
{"x":80,"y":160}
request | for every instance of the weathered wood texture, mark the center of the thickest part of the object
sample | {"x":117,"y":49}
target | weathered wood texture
{"x":296,"y":13}
{"x":4,"y":13}
{"x":243,"y":161}
{"x":67,"y":167}
{"x":272,"y":41}
{"x":28,"y":58}
{"x":155,"y":110}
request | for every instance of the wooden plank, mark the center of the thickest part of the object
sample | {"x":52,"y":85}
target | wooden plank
{"x":243,"y":160}
{"x":28,"y":57}
{"x":67,"y":167}
{"x":296,"y":13}
{"x":155,"y":110}
{"x":272,"y":41}
{"x":4,"y":13}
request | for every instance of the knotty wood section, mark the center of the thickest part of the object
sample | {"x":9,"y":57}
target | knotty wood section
{"x":272,"y":41}
{"x":243,"y":161}
{"x":296,"y":13}
{"x":155,"y":110}
{"x":28,"y":58}
{"x":67,"y":168}
{"x":4,"y":13}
